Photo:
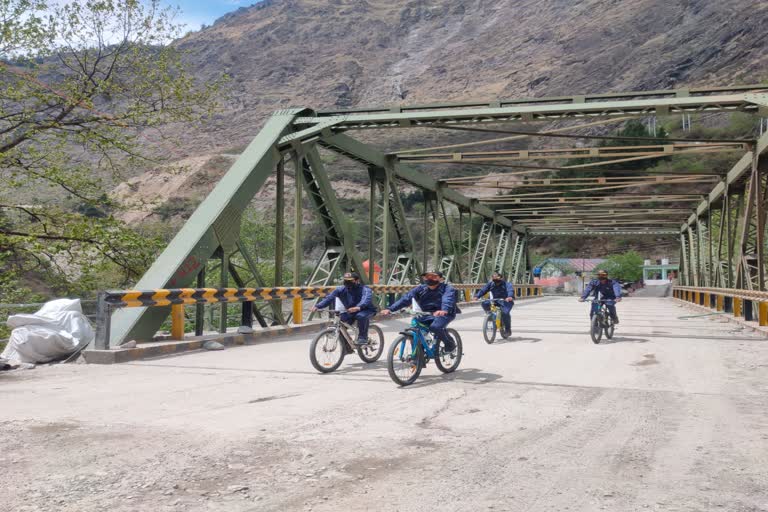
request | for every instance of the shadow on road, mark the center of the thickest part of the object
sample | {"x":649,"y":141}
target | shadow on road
{"x":623,"y":339}
{"x":473,"y":375}
{"x":361,"y":366}
{"x":503,"y":341}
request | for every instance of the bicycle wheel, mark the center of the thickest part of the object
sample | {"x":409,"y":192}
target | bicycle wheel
{"x":609,"y":328}
{"x":326,"y":351}
{"x":371,"y":352}
{"x":448,"y":362}
{"x":504,"y":333}
{"x":404,"y":360}
{"x":489,"y":328}
{"x":596,"y":330}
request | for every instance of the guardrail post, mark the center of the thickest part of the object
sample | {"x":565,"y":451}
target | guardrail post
{"x":737,"y":306}
{"x":748,"y":310}
{"x":762,"y":313}
{"x":468,"y":295}
{"x":298,"y":310}
{"x":246,"y":319}
{"x":177,"y":321}
{"x":200,"y":307}
{"x":103,"y":322}
{"x":719,"y":303}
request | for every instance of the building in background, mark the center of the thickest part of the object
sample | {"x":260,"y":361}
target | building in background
{"x":566,"y":274}
{"x":661,"y":271}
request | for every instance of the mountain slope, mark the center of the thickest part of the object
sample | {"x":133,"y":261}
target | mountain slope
{"x":342,"y":53}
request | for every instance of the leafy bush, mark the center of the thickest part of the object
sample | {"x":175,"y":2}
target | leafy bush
{"x":625,"y":267}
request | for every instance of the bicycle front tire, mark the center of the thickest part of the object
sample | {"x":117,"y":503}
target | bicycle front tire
{"x":404,"y":369}
{"x":596,"y":329}
{"x":489,"y":329}
{"x":330,"y":360}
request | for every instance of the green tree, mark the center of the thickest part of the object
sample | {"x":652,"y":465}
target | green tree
{"x":81,"y":86}
{"x":626,"y":267}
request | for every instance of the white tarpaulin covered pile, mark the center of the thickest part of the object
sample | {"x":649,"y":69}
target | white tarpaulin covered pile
{"x":58,"y":329}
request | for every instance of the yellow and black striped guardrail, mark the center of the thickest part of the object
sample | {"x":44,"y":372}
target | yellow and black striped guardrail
{"x":177,"y":298}
{"x":752,"y":305}
{"x":191,"y":296}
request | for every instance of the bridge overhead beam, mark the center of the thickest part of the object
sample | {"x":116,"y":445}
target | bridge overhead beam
{"x":568,"y":154}
{"x":449,"y":115}
{"x":610,"y":96}
{"x":359,"y":151}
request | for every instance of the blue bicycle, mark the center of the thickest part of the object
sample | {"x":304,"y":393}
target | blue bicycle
{"x":415,"y":346}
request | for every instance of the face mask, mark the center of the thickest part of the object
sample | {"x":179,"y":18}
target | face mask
{"x":349,"y":284}
{"x":431,"y":282}
{"x":497,"y":280}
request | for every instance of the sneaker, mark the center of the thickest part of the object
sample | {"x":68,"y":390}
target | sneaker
{"x":361,"y":342}
{"x":449,"y":347}
{"x":616,"y":321}
{"x":506,"y":333}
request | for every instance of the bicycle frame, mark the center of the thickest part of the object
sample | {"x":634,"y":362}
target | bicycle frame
{"x":342,"y":328}
{"x":420,"y":333}
{"x":602,"y":308}
{"x":495,"y":311}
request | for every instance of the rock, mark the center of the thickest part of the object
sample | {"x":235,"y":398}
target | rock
{"x":213,"y":345}
{"x":237,"y":488}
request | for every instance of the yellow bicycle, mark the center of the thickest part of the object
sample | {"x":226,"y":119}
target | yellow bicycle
{"x":493,"y":323}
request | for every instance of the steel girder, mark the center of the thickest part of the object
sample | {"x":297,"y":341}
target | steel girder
{"x":388,"y":218}
{"x":740,"y":253}
{"x":447,"y":115}
{"x":478,"y":272}
{"x":356,"y":150}
{"x":213,"y":225}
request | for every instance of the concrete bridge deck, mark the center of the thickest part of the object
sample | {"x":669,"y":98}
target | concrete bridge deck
{"x":669,"y":416}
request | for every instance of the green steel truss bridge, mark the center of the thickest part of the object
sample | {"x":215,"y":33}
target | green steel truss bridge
{"x":487,"y":219}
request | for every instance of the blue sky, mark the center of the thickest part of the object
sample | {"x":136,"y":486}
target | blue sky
{"x":196,"y":12}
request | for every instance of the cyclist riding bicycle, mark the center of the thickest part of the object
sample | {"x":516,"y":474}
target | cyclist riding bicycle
{"x":357,"y":299}
{"x":607,"y":289}
{"x":438,"y":302}
{"x":503,"y":290}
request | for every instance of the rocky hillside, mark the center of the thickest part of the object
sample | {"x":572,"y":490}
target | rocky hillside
{"x":343,"y":53}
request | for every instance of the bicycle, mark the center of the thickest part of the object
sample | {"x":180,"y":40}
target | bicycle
{"x":410,"y":352}
{"x":493,"y":323}
{"x":601,"y":321}
{"x":330,"y":345}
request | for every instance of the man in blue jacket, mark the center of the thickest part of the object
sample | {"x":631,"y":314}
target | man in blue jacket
{"x":502,"y":290}
{"x":357,"y":300}
{"x":438,"y":301}
{"x":607,"y":289}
